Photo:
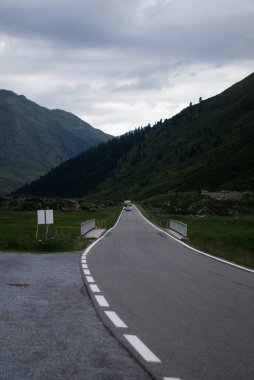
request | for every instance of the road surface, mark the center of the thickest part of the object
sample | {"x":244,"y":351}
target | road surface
{"x":181,"y":314}
{"x":48,"y":327}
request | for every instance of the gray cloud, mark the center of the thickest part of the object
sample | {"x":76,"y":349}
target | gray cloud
{"x":107,"y":60}
{"x":188,"y":28}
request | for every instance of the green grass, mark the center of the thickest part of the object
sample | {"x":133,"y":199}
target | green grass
{"x":18,"y":230}
{"x":227,"y":237}
{"x":223,"y":236}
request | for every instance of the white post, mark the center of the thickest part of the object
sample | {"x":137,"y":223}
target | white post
{"x":44,"y":217}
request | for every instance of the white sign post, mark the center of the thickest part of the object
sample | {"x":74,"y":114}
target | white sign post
{"x":40,"y":216}
{"x":44,"y":217}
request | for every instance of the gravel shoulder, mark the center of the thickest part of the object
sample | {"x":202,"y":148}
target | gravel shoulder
{"x":48,"y":326}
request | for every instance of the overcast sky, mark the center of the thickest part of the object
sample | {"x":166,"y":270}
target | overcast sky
{"x":121,"y":64}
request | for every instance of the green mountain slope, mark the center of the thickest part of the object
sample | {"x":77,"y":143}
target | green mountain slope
{"x":205,"y":146}
{"x":34,"y":139}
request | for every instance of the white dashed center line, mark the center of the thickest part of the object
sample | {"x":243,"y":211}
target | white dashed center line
{"x":142,"y":349}
{"x":115,"y":319}
{"x":87,"y":272}
{"x":101,"y":301}
{"x":84,"y":266}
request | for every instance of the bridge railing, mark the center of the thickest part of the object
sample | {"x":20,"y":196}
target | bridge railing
{"x":87,"y":226}
{"x":179,"y":227}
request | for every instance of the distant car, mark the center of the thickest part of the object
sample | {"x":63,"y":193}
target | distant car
{"x":128,"y":208}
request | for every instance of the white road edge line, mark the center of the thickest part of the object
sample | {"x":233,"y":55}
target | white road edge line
{"x":95,"y":288}
{"x":101,"y":301}
{"x":89,"y":279}
{"x":142,"y":349}
{"x":118,"y":322}
{"x":97,"y":241}
{"x":194,"y":249}
{"x":171,"y":378}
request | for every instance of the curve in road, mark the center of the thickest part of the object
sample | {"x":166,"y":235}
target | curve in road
{"x":181,"y":314}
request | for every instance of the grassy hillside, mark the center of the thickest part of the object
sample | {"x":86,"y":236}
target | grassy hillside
{"x":206,"y":146}
{"x":34,"y":139}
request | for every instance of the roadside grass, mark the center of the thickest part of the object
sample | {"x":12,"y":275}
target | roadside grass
{"x":230,"y":238}
{"x":18,"y":230}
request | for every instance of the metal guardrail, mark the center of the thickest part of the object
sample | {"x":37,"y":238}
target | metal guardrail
{"x":87,"y":226}
{"x":179,"y":227}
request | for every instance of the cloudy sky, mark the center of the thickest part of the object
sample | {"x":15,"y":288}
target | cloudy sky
{"x":121,"y":64}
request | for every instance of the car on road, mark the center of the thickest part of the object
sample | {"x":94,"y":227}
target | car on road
{"x":127,"y":205}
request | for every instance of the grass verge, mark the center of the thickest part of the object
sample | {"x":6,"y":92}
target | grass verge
{"x":18,"y":230}
{"x":230,"y":238}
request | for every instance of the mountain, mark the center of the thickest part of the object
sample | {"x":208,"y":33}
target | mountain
{"x":34,"y":139}
{"x":206,"y":146}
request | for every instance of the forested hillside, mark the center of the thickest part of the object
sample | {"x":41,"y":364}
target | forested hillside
{"x":34,"y":139}
{"x":206,"y":146}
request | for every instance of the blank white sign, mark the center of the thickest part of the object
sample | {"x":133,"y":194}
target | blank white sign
{"x":49,"y":217}
{"x":41,"y":216}
{"x":45,"y":217}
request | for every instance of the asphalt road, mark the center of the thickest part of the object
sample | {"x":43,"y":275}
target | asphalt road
{"x":181,"y":314}
{"x":48,"y":326}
